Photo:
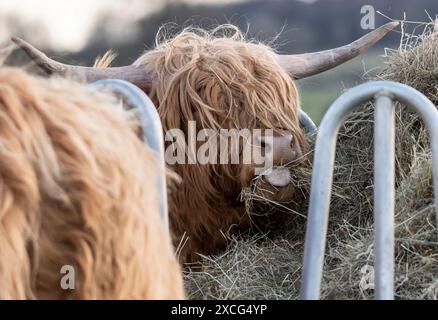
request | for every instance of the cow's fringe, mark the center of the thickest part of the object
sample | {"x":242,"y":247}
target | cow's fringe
{"x":219,"y":79}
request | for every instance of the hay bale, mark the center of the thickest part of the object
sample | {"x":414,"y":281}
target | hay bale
{"x":268,"y":266}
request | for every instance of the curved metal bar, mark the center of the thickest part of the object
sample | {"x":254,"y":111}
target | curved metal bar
{"x":384,"y":196}
{"x":152,"y":129}
{"x":324,"y":160}
{"x":306,"y":123}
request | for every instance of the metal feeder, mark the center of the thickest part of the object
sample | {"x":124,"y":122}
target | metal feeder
{"x":383,"y":93}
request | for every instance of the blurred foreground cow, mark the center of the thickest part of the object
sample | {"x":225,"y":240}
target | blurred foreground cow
{"x":222,"y":81}
{"x":75,"y":194}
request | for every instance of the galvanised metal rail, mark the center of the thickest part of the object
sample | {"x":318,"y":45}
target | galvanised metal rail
{"x":383,"y":93}
{"x":152,"y":130}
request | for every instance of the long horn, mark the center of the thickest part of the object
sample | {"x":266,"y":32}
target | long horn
{"x":130,"y":73}
{"x":305,"y":65}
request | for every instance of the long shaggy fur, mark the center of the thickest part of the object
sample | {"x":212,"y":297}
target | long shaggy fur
{"x":220,"y":80}
{"x":75,"y":189}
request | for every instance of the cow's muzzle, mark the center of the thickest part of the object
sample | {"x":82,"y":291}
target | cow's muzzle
{"x":285,"y":150}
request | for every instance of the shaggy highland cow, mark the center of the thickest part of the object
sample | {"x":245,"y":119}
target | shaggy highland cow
{"x":70,"y":196}
{"x":222,"y":81}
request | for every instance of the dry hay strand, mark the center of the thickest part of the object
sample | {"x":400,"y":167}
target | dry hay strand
{"x":268,"y":265}
{"x":263,"y":199}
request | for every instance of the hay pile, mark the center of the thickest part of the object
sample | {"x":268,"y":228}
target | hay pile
{"x":269,"y":266}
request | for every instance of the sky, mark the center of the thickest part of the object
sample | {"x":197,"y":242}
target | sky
{"x":68,"y":23}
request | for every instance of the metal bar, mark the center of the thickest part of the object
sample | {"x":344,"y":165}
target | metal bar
{"x":307,"y":123}
{"x":429,"y":114}
{"x":317,"y":219}
{"x":152,"y":131}
{"x":384,"y":194}
{"x":323,"y":168}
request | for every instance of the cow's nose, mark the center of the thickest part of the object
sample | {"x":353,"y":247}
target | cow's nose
{"x":281,"y":147}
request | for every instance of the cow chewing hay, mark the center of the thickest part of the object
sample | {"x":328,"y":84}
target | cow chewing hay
{"x":76,"y":192}
{"x":223,"y":81}
{"x":269,"y":266}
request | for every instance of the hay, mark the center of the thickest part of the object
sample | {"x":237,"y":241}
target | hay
{"x":268,"y":266}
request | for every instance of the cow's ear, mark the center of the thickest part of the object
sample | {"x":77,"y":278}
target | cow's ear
{"x":305,"y":65}
{"x":131,"y":73}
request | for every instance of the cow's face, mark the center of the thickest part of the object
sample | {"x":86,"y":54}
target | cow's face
{"x":228,"y":84}
{"x":222,"y":82}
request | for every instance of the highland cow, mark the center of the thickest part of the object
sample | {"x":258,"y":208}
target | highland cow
{"x":221,"y":80}
{"x":71,"y":197}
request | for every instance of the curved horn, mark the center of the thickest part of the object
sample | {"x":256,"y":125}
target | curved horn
{"x":305,"y":65}
{"x":129,"y":73}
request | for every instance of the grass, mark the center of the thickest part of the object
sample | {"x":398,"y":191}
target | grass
{"x":318,"y":92}
{"x":316,"y":102}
